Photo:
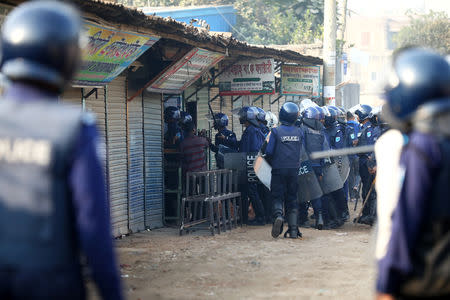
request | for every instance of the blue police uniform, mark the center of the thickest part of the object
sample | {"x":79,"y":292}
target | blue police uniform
{"x":251,"y":141}
{"x":283,"y":150}
{"x":368,"y":137}
{"x":336,"y":138}
{"x":345,"y":141}
{"x":417,"y":261}
{"x":264,"y":129}
{"x":63,"y":207}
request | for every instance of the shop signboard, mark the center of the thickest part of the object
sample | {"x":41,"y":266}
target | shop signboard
{"x":300,"y":80}
{"x":248,"y":77}
{"x":108,"y":52}
{"x":184,"y":72}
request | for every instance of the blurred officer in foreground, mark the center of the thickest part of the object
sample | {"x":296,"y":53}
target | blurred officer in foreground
{"x":251,"y":142}
{"x":414,"y":262}
{"x":224,"y":137}
{"x":283,"y":151}
{"x":53,"y":202}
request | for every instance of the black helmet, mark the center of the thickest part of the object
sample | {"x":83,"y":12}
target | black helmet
{"x":421,"y":76}
{"x":289,"y":113}
{"x":40,"y":43}
{"x":171,"y":113}
{"x":248,"y":113}
{"x":363,"y":112}
{"x":220,"y":120}
{"x":261,"y":116}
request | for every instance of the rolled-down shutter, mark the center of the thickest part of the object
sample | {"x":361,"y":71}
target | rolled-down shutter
{"x":95,"y":103}
{"x":72,"y":96}
{"x":117,"y":155}
{"x":136,"y":165}
{"x":153,"y":160}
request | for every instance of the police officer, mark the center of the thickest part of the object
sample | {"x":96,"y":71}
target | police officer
{"x":53,"y":202}
{"x":224,"y":137}
{"x":353,"y":179}
{"x":366,"y":162}
{"x":283,"y":151}
{"x":314,"y":141}
{"x":338,"y":208}
{"x":173,"y":134}
{"x":251,"y":142}
{"x":415,"y":261}
{"x":261,"y":117}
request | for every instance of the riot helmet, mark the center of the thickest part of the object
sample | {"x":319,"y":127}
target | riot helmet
{"x":186,"y":122}
{"x":261,"y":116}
{"x":220,"y":120}
{"x":342,"y":115}
{"x":311,"y":117}
{"x":322,"y":112}
{"x":289,"y":113}
{"x":363,"y":112}
{"x":330,"y":116}
{"x":40,"y":44}
{"x":248,"y":113}
{"x":172,"y":114}
{"x":420,"y":76}
{"x":271,"y":119}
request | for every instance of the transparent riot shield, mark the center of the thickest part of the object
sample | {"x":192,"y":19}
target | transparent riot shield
{"x":331,"y":179}
{"x":308,"y":185}
{"x":263,"y":170}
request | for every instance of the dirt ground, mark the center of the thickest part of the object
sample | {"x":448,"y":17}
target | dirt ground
{"x":247,"y":263}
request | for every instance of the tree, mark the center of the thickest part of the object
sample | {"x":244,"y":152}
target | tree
{"x":430,"y":30}
{"x":264,"y":21}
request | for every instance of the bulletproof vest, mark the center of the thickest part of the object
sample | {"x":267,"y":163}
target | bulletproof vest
{"x":288,"y":147}
{"x":331,"y":135}
{"x":314,"y":141}
{"x":36,"y":214}
{"x":431,"y":256}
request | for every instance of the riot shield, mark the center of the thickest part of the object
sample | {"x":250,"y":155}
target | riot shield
{"x":243,"y":163}
{"x":220,"y":157}
{"x":308,"y":185}
{"x":331,"y":179}
{"x":343,"y":164}
{"x":263,"y":170}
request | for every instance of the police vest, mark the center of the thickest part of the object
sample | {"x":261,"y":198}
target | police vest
{"x":431,"y":256}
{"x":287,"y":148}
{"x":36,"y":215}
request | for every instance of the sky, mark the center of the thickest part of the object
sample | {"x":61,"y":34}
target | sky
{"x":397,"y":7}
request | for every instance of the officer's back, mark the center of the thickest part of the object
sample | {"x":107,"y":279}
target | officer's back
{"x":53,"y":203}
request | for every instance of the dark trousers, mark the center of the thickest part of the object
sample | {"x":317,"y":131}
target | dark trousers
{"x":284,"y":188}
{"x":264,"y":195}
{"x":41,"y":284}
{"x":366,"y":180}
{"x":339,"y":202}
{"x":249,"y":194}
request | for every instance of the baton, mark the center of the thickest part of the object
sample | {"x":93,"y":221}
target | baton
{"x":343,"y":151}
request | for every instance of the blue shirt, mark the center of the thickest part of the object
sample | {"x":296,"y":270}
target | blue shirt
{"x":89,"y":199}
{"x":410,"y":211}
{"x":284,"y":146}
{"x":252,"y":139}
{"x":230,"y":139}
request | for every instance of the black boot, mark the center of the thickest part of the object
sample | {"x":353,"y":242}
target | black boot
{"x":293,"y":231}
{"x":277,"y":226}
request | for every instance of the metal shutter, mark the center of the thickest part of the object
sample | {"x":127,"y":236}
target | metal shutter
{"x":72,"y":96}
{"x":96,"y":104}
{"x":117,"y":155}
{"x":153,"y":160}
{"x":136,"y":165}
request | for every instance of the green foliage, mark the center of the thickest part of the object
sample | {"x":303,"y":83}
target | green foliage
{"x":264,"y":22}
{"x":430,"y":30}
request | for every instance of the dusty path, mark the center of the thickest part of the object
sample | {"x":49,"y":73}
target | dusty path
{"x":247,"y":263}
